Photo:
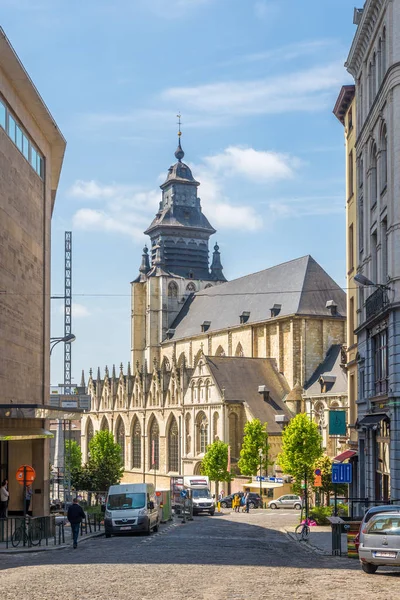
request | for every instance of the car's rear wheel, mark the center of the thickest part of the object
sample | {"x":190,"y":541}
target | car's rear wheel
{"x":369,"y":568}
{"x":297,"y":506}
{"x":223,"y":505}
{"x":273,"y":505}
{"x":251,"y":505}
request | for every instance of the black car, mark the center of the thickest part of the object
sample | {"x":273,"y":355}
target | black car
{"x":255,"y":500}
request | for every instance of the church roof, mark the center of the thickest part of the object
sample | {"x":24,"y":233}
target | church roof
{"x":297,"y":287}
{"x":330,"y":372}
{"x":240,"y":378}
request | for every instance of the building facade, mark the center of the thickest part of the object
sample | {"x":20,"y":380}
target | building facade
{"x":208,"y":355}
{"x":345,"y":112}
{"x":31,"y":154}
{"x":374,"y":62}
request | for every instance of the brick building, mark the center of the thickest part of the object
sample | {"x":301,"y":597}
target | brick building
{"x":31,"y":155}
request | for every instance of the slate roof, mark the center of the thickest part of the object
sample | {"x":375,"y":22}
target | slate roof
{"x":331,"y":371}
{"x":300,"y":286}
{"x":240,"y":377}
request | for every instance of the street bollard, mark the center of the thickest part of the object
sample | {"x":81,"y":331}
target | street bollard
{"x":219,"y":506}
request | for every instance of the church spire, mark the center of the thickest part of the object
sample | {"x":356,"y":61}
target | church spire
{"x":145,"y":264}
{"x":179,"y":153}
{"x":216,"y":266}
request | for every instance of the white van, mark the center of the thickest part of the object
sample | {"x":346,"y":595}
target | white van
{"x":131,"y":507}
{"x":198,"y":487}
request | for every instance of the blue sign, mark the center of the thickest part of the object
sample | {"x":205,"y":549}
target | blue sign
{"x":342,"y":473}
{"x":270,"y":479}
{"x":262,"y":478}
{"x":183,"y":493}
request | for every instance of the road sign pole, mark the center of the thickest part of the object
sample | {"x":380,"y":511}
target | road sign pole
{"x":336,"y":511}
{"x":24,"y":503}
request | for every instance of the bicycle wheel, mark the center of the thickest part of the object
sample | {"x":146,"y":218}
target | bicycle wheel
{"x":299,"y":532}
{"x":35,"y":535}
{"x":17,"y":537}
{"x":305,"y":533}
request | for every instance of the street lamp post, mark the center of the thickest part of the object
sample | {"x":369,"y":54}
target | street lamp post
{"x":56,"y":340}
{"x":260,"y":452}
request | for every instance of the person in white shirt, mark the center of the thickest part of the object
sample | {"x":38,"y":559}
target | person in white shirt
{"x":4,"y":495}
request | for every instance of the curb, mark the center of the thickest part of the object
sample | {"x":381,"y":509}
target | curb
{"x":306,"y":545}
{"x":11,"y":551}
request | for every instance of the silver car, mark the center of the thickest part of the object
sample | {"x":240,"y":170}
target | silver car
{"x":287,"y":501}
{"x":380,"y":543}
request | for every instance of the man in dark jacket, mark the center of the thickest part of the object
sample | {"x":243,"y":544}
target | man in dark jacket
{"x":75,"y":516}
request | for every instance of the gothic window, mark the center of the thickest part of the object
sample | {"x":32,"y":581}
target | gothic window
{"x":190,"y":288}
{"x":188,"y":437}
{"x":215,"y":426}
{"x":220,"y":351}
{"x":104,"y":425}
{"x":383,"y":53}
{"x":202,"y":433}
{"x":234,"y":434}
{"x":173,"y":447}
{"x":165,"y":365}
{"x":193,"y":392}
{"x":89,"y":433}
{"x":239,"y":350}
{"x":320,"y":417}
{"x":172,"y":290}
{"x":136,"y":445}
{"x":199,"y":390}
{"x":207,"y":390}
{"x":120,"y":438}
{"x":154,"y":446}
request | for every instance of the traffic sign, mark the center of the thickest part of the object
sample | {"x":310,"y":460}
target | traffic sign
{"x":317,"y":480}
{"x":342,"y":473}
{"x":29,"y":472}
{"x":317,"y":471}
{"x":183,"y":494}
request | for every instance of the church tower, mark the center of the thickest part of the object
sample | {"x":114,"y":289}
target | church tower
{"x":177,"y":264}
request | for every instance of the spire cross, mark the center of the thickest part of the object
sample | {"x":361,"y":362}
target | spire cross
{"x":179,"y":123}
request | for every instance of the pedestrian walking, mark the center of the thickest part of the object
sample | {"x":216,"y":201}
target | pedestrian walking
{"x":243,"y":502}
{"x":75,"y":516}
{"x":28,"y":497}
{"x":236,"y":503}
{"x":247,"y":501}
{"x":4,"y":496}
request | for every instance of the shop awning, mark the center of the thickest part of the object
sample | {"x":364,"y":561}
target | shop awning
{"x":371,"y":420}
{"x":10,"y":435}
{"x":265,"y":485}
{"x":345,"y":455}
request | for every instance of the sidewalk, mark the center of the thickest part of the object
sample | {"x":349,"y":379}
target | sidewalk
{"x":54,"y":543}
{"x":320,"y":539}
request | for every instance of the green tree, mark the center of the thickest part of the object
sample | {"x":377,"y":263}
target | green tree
{"x":324,"y":463}
{"x":301,"y":447}
{"x":255,"y":440}
{"x":73,"y":461}
{"x":105,"y":466}
{"x":215,"y":463}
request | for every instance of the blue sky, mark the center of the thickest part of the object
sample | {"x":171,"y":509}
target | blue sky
{"x":255,"y":81}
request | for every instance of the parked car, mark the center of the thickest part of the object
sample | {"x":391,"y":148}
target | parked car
{"x":373,"y":511}
{"x":255,"y":500}
{"x":380,"y":543}
{"x":287,"y":501}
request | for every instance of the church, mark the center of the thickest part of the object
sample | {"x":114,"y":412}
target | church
{"x":208,"y":354}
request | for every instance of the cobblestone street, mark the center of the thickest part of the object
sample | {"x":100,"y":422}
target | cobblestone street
{"x":229,"y":557}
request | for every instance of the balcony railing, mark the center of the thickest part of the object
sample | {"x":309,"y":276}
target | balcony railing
{"x":376,"y":303}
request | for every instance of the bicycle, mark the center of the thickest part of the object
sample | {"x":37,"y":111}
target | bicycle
{"x":23,"y":533}
{"x":302,"y":532}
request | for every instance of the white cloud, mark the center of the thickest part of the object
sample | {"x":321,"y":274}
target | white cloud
{"x":307,"y":90}
{"x":79,"y":311}
{"x":254,"y":164}
{"x":101,"y":220}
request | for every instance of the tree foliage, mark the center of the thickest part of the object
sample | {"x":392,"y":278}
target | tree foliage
{"x":105,"y":465}
{"x":73,"y":461}
{"x":301,"y":447}
{"x":324,"y":463}
{"x":215,"y":463}
{"x":255,"y":439}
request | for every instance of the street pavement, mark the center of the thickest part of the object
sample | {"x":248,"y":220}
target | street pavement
{"x":231,"y":556}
